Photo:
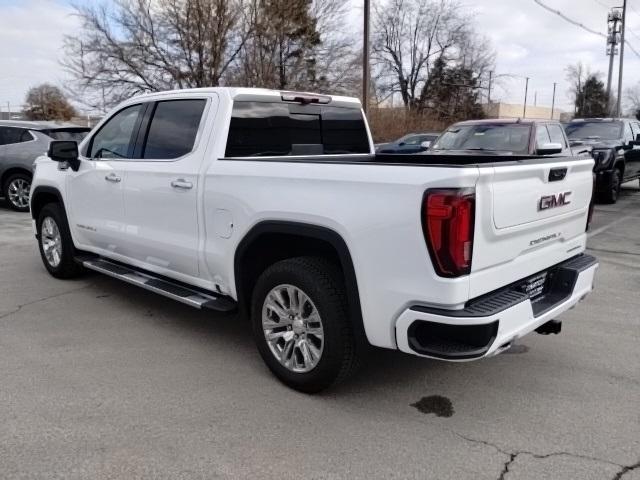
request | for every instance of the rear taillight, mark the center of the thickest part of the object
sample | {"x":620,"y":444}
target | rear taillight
{"x":448,"y":224}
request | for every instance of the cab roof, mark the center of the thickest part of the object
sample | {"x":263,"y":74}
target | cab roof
{"x":253,"y":94}
{"x":507,"y":121}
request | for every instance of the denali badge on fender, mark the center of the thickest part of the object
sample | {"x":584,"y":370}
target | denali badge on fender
{"x":553,"y":201}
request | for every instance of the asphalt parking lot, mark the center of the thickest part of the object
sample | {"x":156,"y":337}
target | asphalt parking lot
{"x":99,"y":379}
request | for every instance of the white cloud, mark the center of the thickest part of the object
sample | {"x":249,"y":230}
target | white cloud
{"x":31,"y":34}
{"x":530,"y":42}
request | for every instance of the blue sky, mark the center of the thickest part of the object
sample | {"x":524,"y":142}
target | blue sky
{"x":529,"y":41}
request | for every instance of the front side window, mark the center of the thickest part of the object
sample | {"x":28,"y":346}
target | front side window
{"x":556,"y":135}
{"x":628,"y":134}
{"x":507,"y":137}
{"x":281,"y":129}
{"x":542,"y":136}
{"x":10,"y":135}
{"x":114,"y":139}
{"x":173,"y":129}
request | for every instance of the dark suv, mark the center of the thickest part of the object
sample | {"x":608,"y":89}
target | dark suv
{"x":615,"y":146}
{"x":503,"y":137}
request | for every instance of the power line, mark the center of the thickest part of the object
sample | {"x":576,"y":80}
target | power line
{"x":599,"y":2}
{"x":563,"y":16}
{"x":583,"y":26}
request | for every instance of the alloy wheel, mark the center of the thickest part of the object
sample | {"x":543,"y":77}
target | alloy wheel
{"x":293,"y":328}
{"x":18,"y":192}
{"x":51,"y":241}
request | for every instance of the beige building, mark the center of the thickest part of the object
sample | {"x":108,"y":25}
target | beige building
{"x":510,"y":110}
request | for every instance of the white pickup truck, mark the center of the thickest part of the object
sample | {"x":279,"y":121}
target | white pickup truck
{"x":273,"y":203}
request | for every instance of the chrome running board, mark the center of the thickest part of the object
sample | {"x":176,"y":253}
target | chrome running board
{"x":164,"y":287}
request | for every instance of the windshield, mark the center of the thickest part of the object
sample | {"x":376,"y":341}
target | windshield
{"x":594,"y":130}
{"x":512,"y":138}
{"x":76,"y":134}
{"x":417,"y":139}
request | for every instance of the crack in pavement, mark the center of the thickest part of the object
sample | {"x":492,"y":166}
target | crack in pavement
{"x":44,"y":299}
{"x":515,"y":453}
{"x":625,"y":470}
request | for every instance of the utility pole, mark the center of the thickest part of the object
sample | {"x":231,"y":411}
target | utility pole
{"x":535,"y":98}
{"x":613,"y":39}
{"x":489,"y":89}
{"x":365,"y":58}
{"x":553,"y":102}
{"x":624,"y":27}
{"x":526,"y":91}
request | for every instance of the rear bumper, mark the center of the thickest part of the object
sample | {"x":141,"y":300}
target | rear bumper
{"x":488,"y":325}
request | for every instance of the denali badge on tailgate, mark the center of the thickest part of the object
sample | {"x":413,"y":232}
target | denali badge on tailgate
{"x":553,"y":201}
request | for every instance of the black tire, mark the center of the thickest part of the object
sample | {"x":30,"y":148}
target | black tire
{"x":613,"y":189}
{"x":67,"y":266}
{"x":12,"y":181}
{"x":323,"y":283}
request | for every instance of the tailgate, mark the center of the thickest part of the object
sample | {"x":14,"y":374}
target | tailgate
{"x":530,"y":215}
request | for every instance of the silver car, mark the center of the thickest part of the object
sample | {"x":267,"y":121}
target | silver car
{"x":20,"y":144}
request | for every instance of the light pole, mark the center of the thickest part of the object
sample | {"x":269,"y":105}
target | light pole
{"x":526,"y":91}
{"x":624,"y":27}
{"x":553,"y":102}
{"x":365,"y":58}
{"x":613,"y":19}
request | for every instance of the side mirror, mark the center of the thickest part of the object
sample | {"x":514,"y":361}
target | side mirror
{"x":401,"y":144}
{"x":64,"y":151}
{"x":550,"y":149}
{"x":426,"y":144}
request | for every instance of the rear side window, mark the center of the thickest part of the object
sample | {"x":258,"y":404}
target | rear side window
{"x":9,"y":135}
{"x":173,"y":129}
{"x":281,"y":129}
{"x":556,"y":135}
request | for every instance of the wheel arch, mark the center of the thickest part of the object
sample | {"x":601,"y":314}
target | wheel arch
{"x":13,"y":170}
{"x":270,"y":241}
{"x":43,"y":195}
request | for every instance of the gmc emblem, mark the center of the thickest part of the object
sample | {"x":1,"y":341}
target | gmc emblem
{"x":553,"y":201}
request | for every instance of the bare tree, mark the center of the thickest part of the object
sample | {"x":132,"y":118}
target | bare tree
{"x":47,"y":102}
{"x":149,"y":45}
{"x":412,"y":35}
{"x":632,"y":99}
{"x":577,"y":75}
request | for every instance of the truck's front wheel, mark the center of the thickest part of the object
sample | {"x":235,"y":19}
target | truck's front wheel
{"x":300,"y":323}
{"x":56,"y":245}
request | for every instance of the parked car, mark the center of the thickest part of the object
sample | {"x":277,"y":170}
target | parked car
{"x":615,"y":146}
{"x":274,"y":203}
{"x":20,"y":144}
{"x":411,"y":143}
{"x":504,"y":137}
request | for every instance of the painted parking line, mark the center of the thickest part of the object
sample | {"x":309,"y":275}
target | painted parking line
{"x":604,"y":228}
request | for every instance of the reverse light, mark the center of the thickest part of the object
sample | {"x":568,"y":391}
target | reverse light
{"x":448,"y":218}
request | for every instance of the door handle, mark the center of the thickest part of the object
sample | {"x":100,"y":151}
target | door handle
{"x":112,"y":177}
{"x":182,"y":184}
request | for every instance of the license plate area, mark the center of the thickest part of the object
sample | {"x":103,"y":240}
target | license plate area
{"x":536,"y":286}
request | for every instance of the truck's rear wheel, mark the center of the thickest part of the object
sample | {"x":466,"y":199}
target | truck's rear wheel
{"x":300,"y":323}
{"x":55,"y":243}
